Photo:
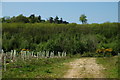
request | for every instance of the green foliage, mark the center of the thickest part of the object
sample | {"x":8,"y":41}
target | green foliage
{"x":51,"y":20}
{"x":56,"y":19}
{"x":88,"y":54}
{"x":83,"y":19}
{"x":21,"y":18}
{"x":71,"y":38}
{"x":31,"y":19}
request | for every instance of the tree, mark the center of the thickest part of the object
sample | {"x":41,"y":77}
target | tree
{"x":32,"y":16}
{"x":21,"y":18}
{"x":65,"y":22}
{"x":13,"y":19}
{"x":6,"y":19}
{"x":3,"y":19}
{"x":83,"y":19}
{"x":56,"y":20}
{"x":61,"y":20}
{"x":33,"y":19}
{"x":39,"y":18}
{"x":51,"y":20}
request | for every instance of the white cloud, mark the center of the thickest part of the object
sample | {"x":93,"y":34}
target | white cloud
{"x":59,"y":0}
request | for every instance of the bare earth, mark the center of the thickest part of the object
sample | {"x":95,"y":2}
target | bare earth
{"x":84,"y":68}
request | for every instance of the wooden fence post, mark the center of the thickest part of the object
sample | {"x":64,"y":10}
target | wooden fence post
{"x":62,"y":54}
{"x":58,"y":54}
{"x":47,"y":54}
{"x":39,"y":54}
{"x":22,"y":55}
{"x":28,"y":55}
{"x":32,"y":54}
{"x":4,"y":62}
{"x":11,"y":55}
{"x":1,"y":53}
{"x":25,"y":54}
{"x":51,"y":54}
{"x":65,"y":54}
{"x":43,"y":54}
{"x":14,"y":55}
{"x":118,"y":54}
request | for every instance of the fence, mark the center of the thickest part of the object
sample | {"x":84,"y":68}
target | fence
{"x":24,"y":55}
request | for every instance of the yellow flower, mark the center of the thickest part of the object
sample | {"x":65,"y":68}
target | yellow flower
{"x":23,"y":49}
{"x":103,"y":50}
{"x":109,"y":50}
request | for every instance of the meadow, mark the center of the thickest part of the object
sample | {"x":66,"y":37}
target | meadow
{"x":85,"y":40}
{"x":37,"y":68}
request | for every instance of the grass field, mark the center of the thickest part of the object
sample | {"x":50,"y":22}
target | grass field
{"x":41,"y":68}
{"x":111,"y":65}
{"x":55,"y":67}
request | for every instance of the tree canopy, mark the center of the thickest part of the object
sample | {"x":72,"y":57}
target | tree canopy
{"x":32,"y":19}
{"x":83,"y":19}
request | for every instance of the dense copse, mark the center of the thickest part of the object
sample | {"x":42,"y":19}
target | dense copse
{"x":71,"y":38}
{"x":32,"y":19}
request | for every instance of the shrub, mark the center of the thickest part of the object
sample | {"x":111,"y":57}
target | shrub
{"x":88,"y":54}
{"x":70,"y":38}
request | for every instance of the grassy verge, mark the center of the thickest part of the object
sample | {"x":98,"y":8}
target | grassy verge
{"x":111,"y":66}
{"x":41,"y":68}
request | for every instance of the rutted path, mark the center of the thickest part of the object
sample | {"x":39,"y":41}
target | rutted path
{"x":84,"y":68}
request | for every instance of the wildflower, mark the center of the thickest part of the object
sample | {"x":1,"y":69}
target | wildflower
{"x":103,"y":50}
{"x":23,"y":49}
{"x":109,"y":50}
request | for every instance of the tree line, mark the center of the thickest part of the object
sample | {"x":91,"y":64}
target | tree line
{"x":37,"y":19}
{"x":32,"y":19}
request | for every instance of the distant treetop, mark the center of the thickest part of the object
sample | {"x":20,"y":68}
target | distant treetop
{"x":32,"y":19}
{"x":83,"y":19}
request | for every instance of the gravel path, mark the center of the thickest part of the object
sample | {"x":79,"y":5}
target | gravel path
{"x":84,"y":68}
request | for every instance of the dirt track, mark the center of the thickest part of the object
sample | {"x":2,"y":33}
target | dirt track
{"x":84,"y":68}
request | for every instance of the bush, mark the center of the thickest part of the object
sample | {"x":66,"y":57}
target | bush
{"x":88,"y":54}
{"x":70,"y":38}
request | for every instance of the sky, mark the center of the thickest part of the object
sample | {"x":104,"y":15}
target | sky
{"x":59,"y":0}
{"x":96,"y":12}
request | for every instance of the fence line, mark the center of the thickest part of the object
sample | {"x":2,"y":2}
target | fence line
{"x":24,"y":55}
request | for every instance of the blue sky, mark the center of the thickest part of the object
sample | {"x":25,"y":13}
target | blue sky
{"x":96,"y":12}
